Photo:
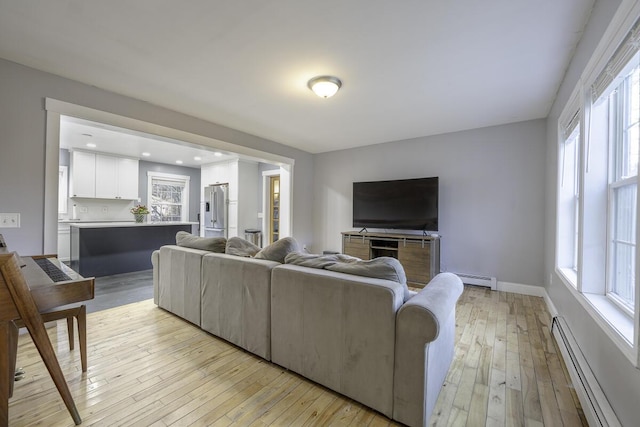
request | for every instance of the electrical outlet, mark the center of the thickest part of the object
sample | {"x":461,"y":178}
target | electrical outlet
{"x":105,"y":209}
{"x":9,"y":220}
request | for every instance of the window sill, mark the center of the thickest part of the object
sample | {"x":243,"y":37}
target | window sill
{"x":614,"y":322}
{"x":569,"y":275}
{"x":614,"y":315}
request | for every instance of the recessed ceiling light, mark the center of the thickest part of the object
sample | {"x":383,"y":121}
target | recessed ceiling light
{"x":146,"y":154}
{"x":197,"y":158}
{"x":91,"y":145}
{"x":179,"y":162}
{"x":217,"y":154}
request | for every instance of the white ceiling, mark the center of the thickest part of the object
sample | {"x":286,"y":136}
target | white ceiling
{"x":409,"y":68}
{"x":75,"y":134}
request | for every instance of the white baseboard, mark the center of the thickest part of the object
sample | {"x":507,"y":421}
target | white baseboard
{"x":518,"y":288}
{"x":594,"y":403}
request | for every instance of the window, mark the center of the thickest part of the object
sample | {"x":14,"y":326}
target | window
{"x":569,"y":197}
{"x":168,"y":197}
{"x":623,"y":189}
{"x":598,"y":158}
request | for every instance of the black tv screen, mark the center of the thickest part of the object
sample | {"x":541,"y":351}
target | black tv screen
{"x":406,"y":204}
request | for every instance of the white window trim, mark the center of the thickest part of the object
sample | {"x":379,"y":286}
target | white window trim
{"x":151,"y":175}
{"x":567,"y":115}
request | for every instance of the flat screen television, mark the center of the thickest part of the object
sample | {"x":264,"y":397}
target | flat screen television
{"x":406,"y":204}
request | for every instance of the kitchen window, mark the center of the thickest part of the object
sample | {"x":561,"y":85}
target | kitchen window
{"x":168,"y":197}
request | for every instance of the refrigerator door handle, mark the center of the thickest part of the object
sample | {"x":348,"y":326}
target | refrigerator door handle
{"x":214,"y":217}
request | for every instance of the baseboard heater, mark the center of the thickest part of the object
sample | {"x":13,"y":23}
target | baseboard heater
{"x":471,"y":279}
{"x":594,"y":403}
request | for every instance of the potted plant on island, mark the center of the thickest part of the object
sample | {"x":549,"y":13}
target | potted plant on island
{"x":139,"y":211}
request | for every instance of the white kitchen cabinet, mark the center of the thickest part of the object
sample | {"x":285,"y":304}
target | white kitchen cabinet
{"x":64,"y":242}
{"x":104,"y":177}
{"x":128,"y":178}
{"x":116,"y":177}
{"x":83,"y":174}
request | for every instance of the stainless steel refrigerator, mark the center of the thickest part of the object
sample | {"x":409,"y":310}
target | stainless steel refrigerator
{"x":216,"y":210}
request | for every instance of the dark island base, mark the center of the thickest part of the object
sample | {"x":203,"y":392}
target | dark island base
{"x":113,"y":250}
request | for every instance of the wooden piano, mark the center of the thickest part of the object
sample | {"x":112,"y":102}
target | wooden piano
{"x":30,"y":288}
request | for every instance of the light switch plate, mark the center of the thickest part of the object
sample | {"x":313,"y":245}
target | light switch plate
{"x":9,"y":220}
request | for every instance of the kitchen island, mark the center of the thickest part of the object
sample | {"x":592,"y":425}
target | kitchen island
{"x":107,"y":248}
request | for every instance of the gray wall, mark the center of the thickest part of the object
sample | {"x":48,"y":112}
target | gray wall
{"x":194,"y":183}
{"x":22,"y":143}
{"x":491,"y":195}
{"x":619,"y":379}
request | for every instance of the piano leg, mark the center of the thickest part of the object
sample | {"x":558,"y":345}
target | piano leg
{"x":82,"y":335}
{"x":41,"y":340}
{"x":9,"y":347}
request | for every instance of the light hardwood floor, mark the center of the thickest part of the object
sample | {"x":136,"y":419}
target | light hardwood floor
{"x":150,"y":368}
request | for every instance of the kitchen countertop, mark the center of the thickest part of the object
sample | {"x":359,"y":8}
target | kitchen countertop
{"x":126,"y":224}
{"x":73,"y":221}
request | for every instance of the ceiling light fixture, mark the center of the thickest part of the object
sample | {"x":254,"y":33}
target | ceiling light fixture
{"x":146,"y":154}
{"x":179,"y":162}
{"x":197,"y":158}
{"x":217,"y":154}
{"x":91,"y":145}
{"x":325,"y":86}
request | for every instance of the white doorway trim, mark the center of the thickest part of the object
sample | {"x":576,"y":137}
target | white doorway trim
{"x":266,"y":208}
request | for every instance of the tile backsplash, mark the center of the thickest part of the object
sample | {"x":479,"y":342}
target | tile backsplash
{"x":98,"y":210}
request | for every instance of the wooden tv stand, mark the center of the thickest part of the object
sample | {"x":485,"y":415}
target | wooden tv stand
{"x":418,"y":254}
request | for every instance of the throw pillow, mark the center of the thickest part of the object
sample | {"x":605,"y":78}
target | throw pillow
{"x":240,"y":247}
{"x":212,"y":244}
{"x":279,"y":249}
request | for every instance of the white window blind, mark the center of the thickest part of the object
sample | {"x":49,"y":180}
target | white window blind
{"x":610,"y":76}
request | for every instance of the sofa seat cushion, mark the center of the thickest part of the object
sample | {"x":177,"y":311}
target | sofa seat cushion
{"x":240,"y":247}
{"x":279,"y":249}
{"x":211,"y":244}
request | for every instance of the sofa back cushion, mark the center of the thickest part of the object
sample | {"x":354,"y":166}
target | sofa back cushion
{"x":240,"y":247}
{"x":386,"y":268}
{"x":211,"y":244}
{"x":279,"y":249}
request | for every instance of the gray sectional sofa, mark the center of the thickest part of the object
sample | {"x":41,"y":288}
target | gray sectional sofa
{"x":366,"y":338}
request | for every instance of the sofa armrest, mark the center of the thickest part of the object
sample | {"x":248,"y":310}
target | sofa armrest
{"x":425,"y":339}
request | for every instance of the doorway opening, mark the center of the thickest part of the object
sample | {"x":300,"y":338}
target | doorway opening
{"x":172,"y":139}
